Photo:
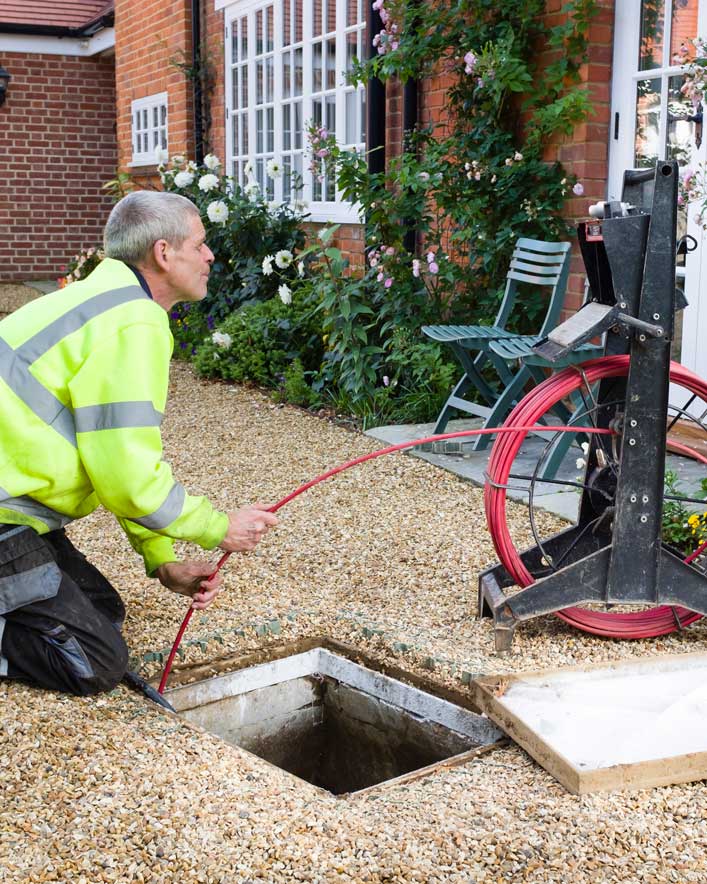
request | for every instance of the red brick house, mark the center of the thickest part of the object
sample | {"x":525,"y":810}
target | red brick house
{"x":275,"y":64}
{"x":57,"y":131}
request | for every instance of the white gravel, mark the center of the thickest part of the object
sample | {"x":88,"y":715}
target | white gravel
{"x":385,"y":557}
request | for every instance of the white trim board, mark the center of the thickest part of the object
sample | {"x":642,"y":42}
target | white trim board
{"x":42,"y":45}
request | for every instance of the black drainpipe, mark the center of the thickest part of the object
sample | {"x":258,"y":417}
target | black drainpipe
{"x":375,"y":103}
{"x":196,"y":68}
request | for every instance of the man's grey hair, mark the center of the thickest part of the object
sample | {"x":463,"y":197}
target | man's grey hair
{"x":139,"y":219}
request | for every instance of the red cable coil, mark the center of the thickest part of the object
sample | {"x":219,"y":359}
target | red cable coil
{"x":640,"y":624}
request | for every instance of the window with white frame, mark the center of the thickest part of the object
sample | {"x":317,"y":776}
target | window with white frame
{"x":149,"y":128}
{"x":287,"y":63}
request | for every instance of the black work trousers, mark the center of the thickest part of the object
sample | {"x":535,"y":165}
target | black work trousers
{"x":62,"y":618}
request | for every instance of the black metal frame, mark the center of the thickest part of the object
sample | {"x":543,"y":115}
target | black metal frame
{"x":630,"y":262}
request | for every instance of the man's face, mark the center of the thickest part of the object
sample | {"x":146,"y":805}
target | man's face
{"x":190,"y":264}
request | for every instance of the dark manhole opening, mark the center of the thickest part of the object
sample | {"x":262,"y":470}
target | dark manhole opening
{"x":330,"y":721}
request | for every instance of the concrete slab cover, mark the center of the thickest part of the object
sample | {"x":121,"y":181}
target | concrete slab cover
{"x":621,"y":725}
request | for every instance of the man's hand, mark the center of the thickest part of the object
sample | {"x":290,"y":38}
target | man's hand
{"x":247,"y":527}
{"x":188,"y":578}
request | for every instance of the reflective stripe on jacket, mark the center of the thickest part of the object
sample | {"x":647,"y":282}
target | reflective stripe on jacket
{"x":83,"y":387}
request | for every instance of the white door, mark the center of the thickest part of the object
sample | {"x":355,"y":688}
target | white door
{"x":651,"y":120}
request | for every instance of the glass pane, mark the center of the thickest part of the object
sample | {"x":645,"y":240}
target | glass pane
{"x":351,"y":12}
{"x":684,"y":25}
{"x":286,"y":23}
{"x":243,"y":25}
{"x":298,"y":164}
{"x":234,"y":41}
{"x":330,"y":188}
{"x":316,"y":18}
{"x":270,"y":64}
{"x":299,"y":71}
{"x":154,"y":115}
{"x":297,"y":14}
{"x":286,"y":180}
{"x":351,"y":49}
{"x":330,"y":9}
{"x":648,"y":145}
{"x":163,"y":115}
{"x":351,"y":128}
{"x":144,"y":118}
{"x":163,"y":139}
{"x":271,"y":128}
{"x":259,"y":82}
{"x":259,"y":140}
{"x":270,"y":192}
{"x":286,"y":130}
{"x":244,"y":134}
{"x":234,"y":88}
{"x":297,"y":125}
{"x":286,"y":75}
{"x":681,"y":127}
{"x":317,"y":67}
{"x":259,"y":26}
{"x":155,"y":137}
{"x":652,"y":32}
{"x":244,"y":86}
{"x":317,"y":110}
{"x":269,"y":41}
{"x":260,"y":173}
{"x":317,"y":190}
{"x":331,"y":114}
{"x":234,"y":135}
{"x":330,"y":50}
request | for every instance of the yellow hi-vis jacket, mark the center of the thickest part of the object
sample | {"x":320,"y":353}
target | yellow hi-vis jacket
{"x":83,"y":386}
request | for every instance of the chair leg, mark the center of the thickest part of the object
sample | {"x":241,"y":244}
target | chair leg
{"x":503,"y":405}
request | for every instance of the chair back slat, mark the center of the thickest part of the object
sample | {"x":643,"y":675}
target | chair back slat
{"x":549,"y":275}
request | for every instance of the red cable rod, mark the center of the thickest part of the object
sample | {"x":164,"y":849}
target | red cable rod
{"x":359,"y":460}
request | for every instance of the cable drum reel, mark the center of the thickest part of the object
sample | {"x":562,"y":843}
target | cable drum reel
{"x":614,"y":554}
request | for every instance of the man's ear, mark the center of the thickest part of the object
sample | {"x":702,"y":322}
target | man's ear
{"x":160,"y":254}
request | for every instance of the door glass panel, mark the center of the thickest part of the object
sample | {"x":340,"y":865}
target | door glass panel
{"x":647,"y":122}
{"x":317,"y":67}
{"x":684,"y":25}
{"x":681,"y":144}
{"x":652,"y":33}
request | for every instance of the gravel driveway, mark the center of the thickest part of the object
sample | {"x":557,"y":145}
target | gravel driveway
{"x":384,"y":557}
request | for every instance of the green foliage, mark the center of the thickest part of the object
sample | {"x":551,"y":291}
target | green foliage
{"x":189,"y":327}
{"x":294,"y":387}
{"x":242,"y":229}
{"x":683,"y":528}
{"x":81,"y":265}
{"x":469,"y":187}
{"x":260,"y":341}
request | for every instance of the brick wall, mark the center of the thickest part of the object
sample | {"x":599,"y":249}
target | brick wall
{"x":150,"y":36}
{"x":586,"y":152}
{"x":57,"y":143}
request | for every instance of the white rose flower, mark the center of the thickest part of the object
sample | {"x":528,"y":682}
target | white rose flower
{"x":248,"y":168}
{"x":191,"y":166}
{"x":211,"y":161}
{"x":267,"y":264}
{"x":208,"y":182}
{"x":252,"y":189}
{"x":274,"y":168}
{"x":300,"y":268}
{"x":183,"y":179}
{"x":217,"y":211}
{"x":283,"y":258}
{"x":178,"y":159}
{"x":222,"y":339}
{"x":285,"y":293}
{"x":161,"y":156}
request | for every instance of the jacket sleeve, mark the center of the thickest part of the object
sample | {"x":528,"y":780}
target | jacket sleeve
{"x":118,"y":397}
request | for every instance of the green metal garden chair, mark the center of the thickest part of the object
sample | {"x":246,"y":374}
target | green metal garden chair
{"x":536,"y":263}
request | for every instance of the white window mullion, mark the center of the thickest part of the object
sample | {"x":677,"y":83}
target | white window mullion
{"x":307,"y":105}
{"x":252,"y":73}
{"x":228,"y":62}
{"x":278,"y":17}
{"x":340,"y":81}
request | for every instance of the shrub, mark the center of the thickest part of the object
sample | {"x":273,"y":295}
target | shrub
{"x":260,"y":341}
{"x":81,"y":265}
{"x":247,"y":234}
